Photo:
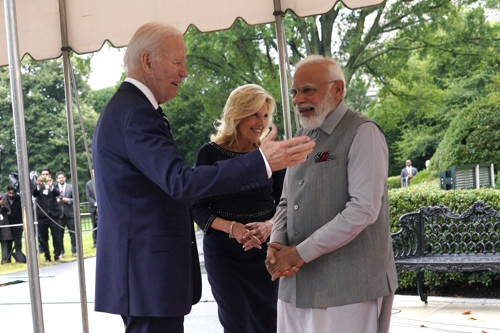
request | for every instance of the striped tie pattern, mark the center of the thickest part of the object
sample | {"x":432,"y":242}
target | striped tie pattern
{"x":165,"y":119}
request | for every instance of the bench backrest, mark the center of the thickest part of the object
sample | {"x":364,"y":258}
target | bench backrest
{"x":436,"y":230}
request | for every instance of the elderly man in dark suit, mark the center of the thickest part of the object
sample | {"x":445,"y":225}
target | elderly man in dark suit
{"x":332,"y":222}
{"x":147,"y":264}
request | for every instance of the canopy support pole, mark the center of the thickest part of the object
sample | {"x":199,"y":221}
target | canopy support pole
{"x":73,"y":166}
{"x":283,"y":66}
{"x":22,"y":164}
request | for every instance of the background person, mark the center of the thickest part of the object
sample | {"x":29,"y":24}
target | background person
{"x":48,"y":212}
{"x":407,"y":174}
{"x":90,"y":193}
{"x":332,"y":223}
{"x":5,"y":235}
{"x":147,"y":267}
{"x":234,"y":243}
{"x":12,"y":204}
{"x":66,"y":218}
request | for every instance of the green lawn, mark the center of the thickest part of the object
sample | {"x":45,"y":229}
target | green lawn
{"x":88,"y":251}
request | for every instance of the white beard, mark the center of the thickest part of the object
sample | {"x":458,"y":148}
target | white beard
{"x":321,"y":111}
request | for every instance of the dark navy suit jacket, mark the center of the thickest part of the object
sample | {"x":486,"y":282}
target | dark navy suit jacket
{"x":147,"y":261}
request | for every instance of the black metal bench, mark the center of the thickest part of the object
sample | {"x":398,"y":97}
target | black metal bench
{"x":436,"y":239}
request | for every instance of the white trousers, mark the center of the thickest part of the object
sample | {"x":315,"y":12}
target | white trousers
{"x":366,"y":317}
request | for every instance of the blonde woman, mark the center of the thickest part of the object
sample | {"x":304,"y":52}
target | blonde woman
{"x":237,"y":226}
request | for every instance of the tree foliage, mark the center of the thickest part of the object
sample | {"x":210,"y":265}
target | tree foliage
{"x":45,"y":118}
{"x":422,"y":90}
{"x":474,"y":135}
{"x":99,"y":98}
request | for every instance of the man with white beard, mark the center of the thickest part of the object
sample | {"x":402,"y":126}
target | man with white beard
{"x":332,"y":249}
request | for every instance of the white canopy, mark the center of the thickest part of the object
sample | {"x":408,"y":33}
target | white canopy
{"x":91,"y":22}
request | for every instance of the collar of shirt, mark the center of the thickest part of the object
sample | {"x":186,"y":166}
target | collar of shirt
{"x":334,"y":119}
{"x":145,"y":90}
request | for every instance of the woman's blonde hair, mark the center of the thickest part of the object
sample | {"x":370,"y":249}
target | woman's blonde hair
{"x":243,"y":102}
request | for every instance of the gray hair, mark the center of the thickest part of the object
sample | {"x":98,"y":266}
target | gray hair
{"x":334,"y":70}
{"x":148,"y":38}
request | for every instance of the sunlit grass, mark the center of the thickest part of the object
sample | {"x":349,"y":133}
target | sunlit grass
{"x":88,"y":251}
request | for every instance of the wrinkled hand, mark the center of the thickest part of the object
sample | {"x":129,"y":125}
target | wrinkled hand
{"x":282,"y":154}
{"x":261,"y":230}
{"x":282,"y":260}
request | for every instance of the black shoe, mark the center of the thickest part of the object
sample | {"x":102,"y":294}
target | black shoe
{"x":56,"y":258}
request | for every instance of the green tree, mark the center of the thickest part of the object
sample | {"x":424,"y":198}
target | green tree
{"x":100,"y":97}
{"x":359,"y":39}
{"x":45,"y":118}
{"x":473,"y":136}
{"x":422,"y":90}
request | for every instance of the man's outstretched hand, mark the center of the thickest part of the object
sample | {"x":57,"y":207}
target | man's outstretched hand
{"x":282,"y":154}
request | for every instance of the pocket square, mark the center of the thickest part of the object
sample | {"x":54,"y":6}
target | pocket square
{"x":323,"y":156}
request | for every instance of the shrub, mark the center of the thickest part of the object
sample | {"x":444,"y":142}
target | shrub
{"x":393,"y":182}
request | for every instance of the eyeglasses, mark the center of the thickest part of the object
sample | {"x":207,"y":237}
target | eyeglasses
{"x":306,"y":90}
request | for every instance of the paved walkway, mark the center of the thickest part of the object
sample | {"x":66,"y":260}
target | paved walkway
{"x":62,"y":312}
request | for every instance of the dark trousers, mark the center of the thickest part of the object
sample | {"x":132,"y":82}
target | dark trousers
{"x":17,"y":236}
{"x":70,"y":223}
{"x":15,"y":243}
{"x":93,"y":218}
{"x":6,"y":249}
{"x":44,"y":224}
{"x":153,"y":324}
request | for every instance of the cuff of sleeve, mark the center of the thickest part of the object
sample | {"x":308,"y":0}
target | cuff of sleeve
{"x":207,"y":230}
{"x":307,"y":254}
{"x":268,"y":168}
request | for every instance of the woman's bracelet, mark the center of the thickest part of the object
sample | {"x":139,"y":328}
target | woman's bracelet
{"x":231,"y":229}
{"x":272,"y":222}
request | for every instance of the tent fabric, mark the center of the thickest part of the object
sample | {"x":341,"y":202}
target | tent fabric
{"x":92,"y":22}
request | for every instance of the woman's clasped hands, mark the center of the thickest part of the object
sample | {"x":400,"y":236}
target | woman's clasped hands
{"x":253,"y":234}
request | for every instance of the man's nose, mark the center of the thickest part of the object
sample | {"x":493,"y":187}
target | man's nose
{"x":183,"y":71}
{"x":298,"y":98}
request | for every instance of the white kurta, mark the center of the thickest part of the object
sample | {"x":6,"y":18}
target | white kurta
{"x":352,"y":318}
